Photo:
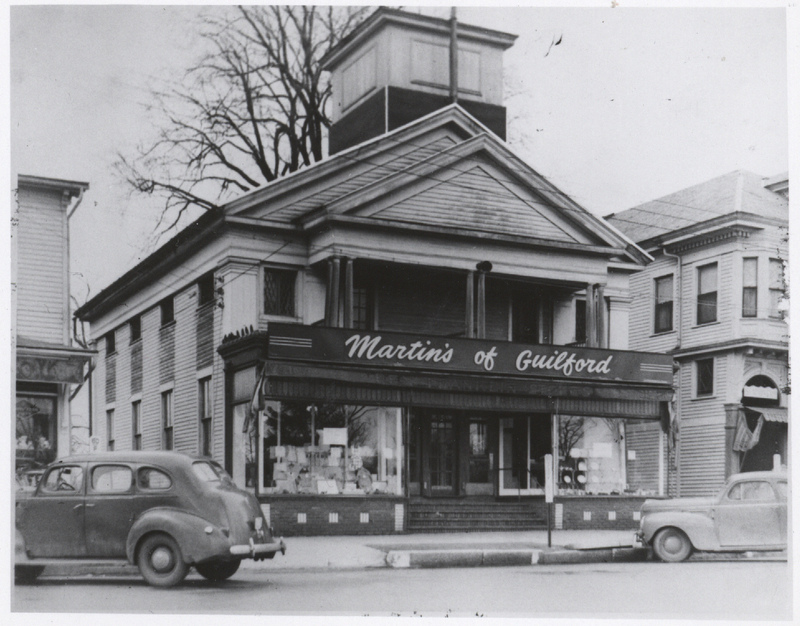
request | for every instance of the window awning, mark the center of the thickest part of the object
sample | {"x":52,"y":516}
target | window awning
{"x":777,"y":414}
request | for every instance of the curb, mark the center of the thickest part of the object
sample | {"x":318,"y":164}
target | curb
{"x":402,"y":559}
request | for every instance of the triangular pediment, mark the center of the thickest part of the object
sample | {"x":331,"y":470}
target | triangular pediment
{"x":445,"y":171}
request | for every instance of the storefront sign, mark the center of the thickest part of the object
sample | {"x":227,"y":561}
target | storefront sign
{"x":42,"y":369}
{"x":399,"y":350}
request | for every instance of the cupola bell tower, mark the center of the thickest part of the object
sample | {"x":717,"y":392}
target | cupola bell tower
{"x":395,"y":68}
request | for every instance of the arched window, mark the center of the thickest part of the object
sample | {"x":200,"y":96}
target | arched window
{"x":760,"y":391}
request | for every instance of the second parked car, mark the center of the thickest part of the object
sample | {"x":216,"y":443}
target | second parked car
{"x":163,"y":511}
{"x":749,"y":513}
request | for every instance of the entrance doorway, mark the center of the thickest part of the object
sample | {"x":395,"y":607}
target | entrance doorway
{"x":442,"y":455}
{"x":524,"y":441}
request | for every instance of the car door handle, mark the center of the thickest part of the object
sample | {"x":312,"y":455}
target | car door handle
{"x":76,"y":507}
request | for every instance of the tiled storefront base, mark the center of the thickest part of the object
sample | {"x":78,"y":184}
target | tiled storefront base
{"x":294,"y":516}
{"x":597,"y":512}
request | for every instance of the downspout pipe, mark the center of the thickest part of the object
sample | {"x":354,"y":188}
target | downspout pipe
{"x":678,"y":338}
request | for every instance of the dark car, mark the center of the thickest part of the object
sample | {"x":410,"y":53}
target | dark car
{"x":749,"y":513}
{"x":162,"y":511}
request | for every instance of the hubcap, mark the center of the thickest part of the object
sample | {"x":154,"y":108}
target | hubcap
{"x":161,"y":558}
{"x":672,"y":544}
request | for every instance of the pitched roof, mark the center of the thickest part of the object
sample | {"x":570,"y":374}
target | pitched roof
{"x":736,"y":192}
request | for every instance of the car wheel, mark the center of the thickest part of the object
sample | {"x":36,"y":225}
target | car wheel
{"x":27,"y":574}
{"x":160,"y":561}
{"x":217,"y":570}
{"x":672,"y":545}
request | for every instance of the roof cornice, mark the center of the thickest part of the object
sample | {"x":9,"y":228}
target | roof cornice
{"x":182,"y":245}
{"x":384,"y":17}
{"x":70,"y":187}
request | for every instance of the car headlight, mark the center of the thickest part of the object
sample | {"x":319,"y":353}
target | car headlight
{"x":259,"y":523}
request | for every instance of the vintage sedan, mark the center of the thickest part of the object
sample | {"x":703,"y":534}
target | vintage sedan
{"x":748,"y":514}
{"x":162,"y":511}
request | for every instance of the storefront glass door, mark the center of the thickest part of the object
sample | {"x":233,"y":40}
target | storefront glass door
{"x":524,"y":440}
{"x":442,"y":457}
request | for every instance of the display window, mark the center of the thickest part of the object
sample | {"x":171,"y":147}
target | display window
{"x":35,"y":435}
{"x":329,"y":449}
{"x":591,"y":456}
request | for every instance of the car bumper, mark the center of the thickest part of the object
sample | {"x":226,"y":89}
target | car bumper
{"x":258,"y":550}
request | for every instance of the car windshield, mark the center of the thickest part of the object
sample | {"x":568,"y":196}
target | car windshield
{"x":211,"y":472}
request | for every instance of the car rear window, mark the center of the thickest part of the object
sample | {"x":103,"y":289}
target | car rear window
{"x":154,"y":479}
{"x":111,"y":478}
{"x":210,"y":472}
{"x":752,"y":491}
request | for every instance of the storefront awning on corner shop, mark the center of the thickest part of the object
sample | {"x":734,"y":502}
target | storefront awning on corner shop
{"x":773,"y":414}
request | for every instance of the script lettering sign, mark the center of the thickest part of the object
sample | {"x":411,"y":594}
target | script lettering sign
{"x":478,"y":356}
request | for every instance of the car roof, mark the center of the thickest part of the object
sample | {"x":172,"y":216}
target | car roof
{"x":763,"y":475}
{"x":161,"y":457}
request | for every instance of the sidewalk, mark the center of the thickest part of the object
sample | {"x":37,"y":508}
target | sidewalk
{"x":442,"y":549}
{"x":427,"y":550}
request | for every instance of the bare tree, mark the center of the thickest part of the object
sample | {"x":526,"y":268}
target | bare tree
{"x":252,"y":109}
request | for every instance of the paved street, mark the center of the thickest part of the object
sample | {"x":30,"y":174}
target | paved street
{"x":703,"y":590}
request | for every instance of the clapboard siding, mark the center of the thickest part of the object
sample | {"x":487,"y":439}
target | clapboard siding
{"x":427,"y":304}
{"x":124,"y":431}
{"x":151,"y":399}
{"x":205,"y":335}
{"x":185,"y":390}
{"x":643,"y":470}
{"x":642,"y":309}
{"x":218,"y":394}
{"x":42,"y":281}
{"x":364,"y":172}
{"x":702,"y":459}
{"x":476,"y":199}
{"x":722,"y":329}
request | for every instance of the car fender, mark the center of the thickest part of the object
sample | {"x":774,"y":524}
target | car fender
{"x":697,"y":526}
{"x":188,"y":530}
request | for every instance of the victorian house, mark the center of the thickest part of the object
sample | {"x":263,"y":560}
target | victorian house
{"x":393,"y":338}
{"x":47,"y":365}
{"x":714,"y":299}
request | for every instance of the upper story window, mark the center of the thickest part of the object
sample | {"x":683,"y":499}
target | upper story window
{"x":205,"y":405}
{"x":750,"y":287}
{"x":776,"y":287}
{"x":664,"y":293}
{"x":279,"y":298}
{"x":166,"y":419}
{"x":704,"y":377}
{"x":707,"y":293}
{"x":362,"y":308}
{"x":167,"y":308}
{"x":110,"y":429}
{"x":136,"y":328}
{"x":205,"y":289}
{"x":111,"y":343}
{"x":136,"y":423}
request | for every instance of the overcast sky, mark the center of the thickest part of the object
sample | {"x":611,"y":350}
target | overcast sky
{"x":635,"y":103}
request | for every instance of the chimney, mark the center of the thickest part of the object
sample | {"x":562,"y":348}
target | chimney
{"x":395,"y":68}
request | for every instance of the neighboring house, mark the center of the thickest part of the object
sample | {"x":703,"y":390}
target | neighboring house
{"x":47,"y":363}
{"x":405,"y":323}
{"x":714,"y":299}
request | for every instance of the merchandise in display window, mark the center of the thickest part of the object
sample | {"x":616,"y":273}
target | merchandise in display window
{"x":329,"y":449}
{"x":35,"y":435}
{"x":591,"y":456}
